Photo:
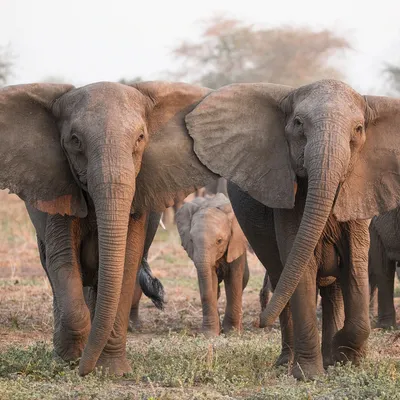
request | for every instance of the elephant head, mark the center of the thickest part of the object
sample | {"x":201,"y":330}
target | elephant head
{"x":210,"y":233}
{"x":126,"y":146}
{"x":263,"y":137}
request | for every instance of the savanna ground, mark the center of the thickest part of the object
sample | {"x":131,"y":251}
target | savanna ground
{"x":170,"y":359}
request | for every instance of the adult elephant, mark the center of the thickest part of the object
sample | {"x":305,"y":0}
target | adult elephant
{"x":106,"y":149}
{"x":71,"y":328}
{"x":383,"y":253}
{"x":336,"y":153}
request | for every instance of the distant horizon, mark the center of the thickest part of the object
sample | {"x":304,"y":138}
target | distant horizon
{"x":83,"y":42}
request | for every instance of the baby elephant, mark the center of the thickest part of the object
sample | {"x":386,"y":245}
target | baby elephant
{"x":212,"y":238}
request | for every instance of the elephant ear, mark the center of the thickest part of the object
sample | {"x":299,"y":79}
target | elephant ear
{"x":373,"y":185}
{"x":237,"y":241}
{"x":32,"y":162}
{"x":238,"y":133}
{"x":183,"y":219}
{"x":170,"y":169}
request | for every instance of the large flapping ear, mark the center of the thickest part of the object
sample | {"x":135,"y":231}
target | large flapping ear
{"x":170,"y":169}
{"x":183,"y":219}
{"x":32,"y":163}
{"x":373,"y":186}
{"x":237,"y":243}
{"x":238,"y":133}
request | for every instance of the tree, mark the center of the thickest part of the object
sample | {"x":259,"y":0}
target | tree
{"x":393,"y":73}
{"x":231,"y":51}
{"x":130,"y":81}
{"x":5,"y":65}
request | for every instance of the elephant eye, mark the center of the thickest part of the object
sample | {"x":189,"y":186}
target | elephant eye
{"x":75,"y":141}
{"x":140,"y":138}
{"x":219,"y":241}
{"x":359,"y":128}
{"x":297,"y":122}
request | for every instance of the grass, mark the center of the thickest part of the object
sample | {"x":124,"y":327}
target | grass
{"x":180,"y":366}
{"x":169,"y":358}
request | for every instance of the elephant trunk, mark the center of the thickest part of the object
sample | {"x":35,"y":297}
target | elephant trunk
{"x":112,"y":187}
{"x":326,"y":162}
{"x":208,"y":285}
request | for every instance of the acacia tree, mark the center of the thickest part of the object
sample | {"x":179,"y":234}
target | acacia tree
{"x":5,"y":65}
{"x":393,"y":73}
{"x":231,"y":51}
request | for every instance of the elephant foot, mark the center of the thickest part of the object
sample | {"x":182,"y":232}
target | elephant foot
{"x":304,"y":371}
{"x":69,"y":345}
{"x":389,"y":323}
{"x":285,"y":358}
{"x":135,"y":326}
{"x":229,"y":326}
{"x":328,"y":361}
{"x":344,"y":352}
{"x":210,"y":333}
{"x":117,"y":366}
{"x":135,"y":323}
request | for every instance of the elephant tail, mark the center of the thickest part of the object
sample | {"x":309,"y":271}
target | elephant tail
{"x":151,"y":286}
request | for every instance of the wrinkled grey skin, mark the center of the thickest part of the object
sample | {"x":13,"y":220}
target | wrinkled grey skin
{"x":104,"y":151}
{"x":70,"y":330}
{"x":383,"y":253}
{"x":214,"y":241}
{"x":258,"y":224}
{"x":338,"y":150}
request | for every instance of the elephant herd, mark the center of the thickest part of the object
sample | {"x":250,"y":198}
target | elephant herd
{"x":307,"y":168}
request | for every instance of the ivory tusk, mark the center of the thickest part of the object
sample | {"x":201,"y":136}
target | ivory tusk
{"x":162,"y":223}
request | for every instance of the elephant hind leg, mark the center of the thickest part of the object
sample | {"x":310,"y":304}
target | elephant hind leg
{"x":332,"y":318}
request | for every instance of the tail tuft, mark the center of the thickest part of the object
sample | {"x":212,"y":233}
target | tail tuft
{"x":151,"y":286}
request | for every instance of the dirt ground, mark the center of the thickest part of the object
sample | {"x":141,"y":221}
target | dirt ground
{"x":26,"y":324}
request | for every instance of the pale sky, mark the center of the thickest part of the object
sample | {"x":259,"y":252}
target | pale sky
{"x":86,"y":41}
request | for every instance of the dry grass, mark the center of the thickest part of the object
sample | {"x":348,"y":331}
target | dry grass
{"x":170,"y":360}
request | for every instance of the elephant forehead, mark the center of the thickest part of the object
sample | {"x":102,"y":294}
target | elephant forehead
{"x":331,"y":94}
{"x":103,"y":104}
{"x":210,"y":219}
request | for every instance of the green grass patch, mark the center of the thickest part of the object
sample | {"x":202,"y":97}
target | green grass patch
{"x":180,"y":366}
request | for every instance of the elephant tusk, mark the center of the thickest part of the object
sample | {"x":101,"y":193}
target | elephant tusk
{"x":162,"y":223}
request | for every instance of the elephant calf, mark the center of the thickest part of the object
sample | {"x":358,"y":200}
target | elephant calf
{"x":213,"y":239}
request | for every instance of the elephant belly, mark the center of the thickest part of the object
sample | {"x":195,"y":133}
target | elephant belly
{"x":90,"y":259}
{"x":327,"y":259}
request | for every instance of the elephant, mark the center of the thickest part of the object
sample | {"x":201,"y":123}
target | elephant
{"x":325,"y":159}
{"x":86,"y":251}
{"x":383,"y":253}
{"x":103,"y":152}
{"x":213,"y":240}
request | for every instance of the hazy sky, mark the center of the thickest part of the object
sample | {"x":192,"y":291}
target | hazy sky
{"x":85,"y":41}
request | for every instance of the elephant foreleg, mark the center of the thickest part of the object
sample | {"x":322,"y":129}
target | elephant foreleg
{"x":332,"y":318}
{"x":113,"y":356}
{"x":71,"y":314}
{"x":349,"y":342}
{"x":234,"y":280}
{"x":307,"y":362}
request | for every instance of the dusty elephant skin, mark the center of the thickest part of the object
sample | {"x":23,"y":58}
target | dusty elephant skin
{"x":212,"y":238}
{"x":383,"y":253}
{"x":271,"y":139}
{"x":108,"y":140}
{"x":77,"y":240}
